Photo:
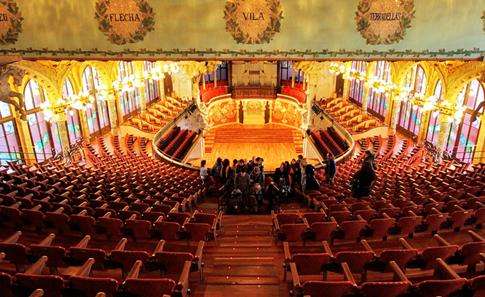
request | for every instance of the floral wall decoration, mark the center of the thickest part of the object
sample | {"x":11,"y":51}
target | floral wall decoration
{"x":125,"y":21}
{"x":10,"y":22}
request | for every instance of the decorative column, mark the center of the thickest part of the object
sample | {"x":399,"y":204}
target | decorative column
{"x":423,"y":128}
{"x":396,"y":106}
{"x":365,"y":98}
{"x":346,"y":90}
{"x":292,"y":78}
{"x":215,"y":78}
{"x":83,"y":121}
{"x":143,"y":97}
{"x":445,"y":122}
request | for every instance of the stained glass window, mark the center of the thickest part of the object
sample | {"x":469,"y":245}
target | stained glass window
{"x":152,"y":87}
{"x":357,"y":86}
{"x":409,"y":114}
{"x":130,"y":100}
{"x":434,"y":125}
{"x":96,"y":115}
{"x":377,"y":101}
{"x":463,"y":137}
{"x":9,"y":144}
{"x":41,"y":133}
{"x":73,"y":124}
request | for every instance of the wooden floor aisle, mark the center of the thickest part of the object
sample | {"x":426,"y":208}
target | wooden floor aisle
{"x":244,"y":260}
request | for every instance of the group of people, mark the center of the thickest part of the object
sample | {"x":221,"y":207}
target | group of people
{"x":245,"y":186}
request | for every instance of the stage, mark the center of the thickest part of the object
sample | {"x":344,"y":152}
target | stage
{"x":274,"y":143}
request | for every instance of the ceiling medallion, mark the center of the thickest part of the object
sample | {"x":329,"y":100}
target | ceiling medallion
{"x":253,"y":21}
{"x":10,"y":22}
{"x":125,"y":21}
{"x":384,"y":21}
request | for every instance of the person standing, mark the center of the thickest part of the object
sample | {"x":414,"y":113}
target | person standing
{"x":363,"y":180}
{"x":330,"y":168}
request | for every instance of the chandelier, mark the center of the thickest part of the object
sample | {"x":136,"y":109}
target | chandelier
{"x":127,"y":84}
{"x":55,"y":112}
{"x":336,"y":68}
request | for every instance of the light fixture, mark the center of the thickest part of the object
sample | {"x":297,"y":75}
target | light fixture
{"x":82,"y":101}
{"x":55,"y":112}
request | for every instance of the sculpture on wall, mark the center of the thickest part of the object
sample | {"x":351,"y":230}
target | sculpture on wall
{"x":7,"y":95}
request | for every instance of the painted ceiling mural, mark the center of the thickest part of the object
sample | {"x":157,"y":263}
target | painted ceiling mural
{"x":285,"y":29}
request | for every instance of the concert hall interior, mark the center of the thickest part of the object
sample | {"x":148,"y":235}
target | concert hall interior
{"x":153,"y":148}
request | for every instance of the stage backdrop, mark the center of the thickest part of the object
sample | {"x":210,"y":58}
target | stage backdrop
{"x":206,"y":29}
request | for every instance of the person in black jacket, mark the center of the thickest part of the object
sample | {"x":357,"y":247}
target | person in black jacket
{"x":330,"y":168}
{"x":363,"y":180}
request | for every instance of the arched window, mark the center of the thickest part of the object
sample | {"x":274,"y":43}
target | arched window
{"x":434,"y":125}
{"x":152,"y":87}
{"x":96,"y":115}
{"x":463,"y":137}
{"x":357,"y":86}
{"x":377,"y":101}
{"x":45,"y":137}
{"x":130,"y":100}
{"x":73,"y":125}
{"x":9,"y":142}
{"x":410,"y":115}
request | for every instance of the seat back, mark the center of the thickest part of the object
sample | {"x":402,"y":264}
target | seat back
{"x":90,"y":286}
{"x":197,"y":231}
{"x":293,"y":232}
{"x":149,"y":287}
{"x":110,"y":226}
{"x":471,"y":251}
{"x":55,"y":254}
{"x":355,"y":259}
{"x":140,"y":229}
{"x":81,"y":255}
{"x":310,"y":263}
{"x":327,"y":288}
{"x":400,"y":256}
{"x":384,"y":289}
{"x":381,"y":226}
{"x":27,"y":283}
{"x":14,"y":252}
{"x":83,"y":224}
{"x":352,"y":229}
{"x":440,"y":287}
{"x":172,"y":262}
{"x":314,"y":217}
{"x":444,"y":252}
{"x":288,"y":218}
{"x":127,"y":258}
{"x":323,"y":230}
{"x":167,"y":230}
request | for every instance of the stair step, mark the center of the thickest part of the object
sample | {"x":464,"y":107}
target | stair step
{"x":242,"y":280}
{"x":267,"y":244}
{"x":234,"y":233}
{"x":239,"y":270}
{"x":241,"y":260}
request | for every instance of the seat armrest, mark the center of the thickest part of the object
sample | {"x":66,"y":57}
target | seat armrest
{"x":159,"y":219}
{"x":405,"y":244}
{"x":441,"y":241}
{"x":13,"y":238}
{"x":84,"y":242}
{"x":286,"y":249}
{"x":326,"y":248}
{"x":294,"y":275}
{"x":135,"y":270}
{"x":85,"y":270}
{"x":107,"y":215}
{"x":159,"y":247}
{"x":444,"y":271}
{"x":332,"y":219}
{"x":385,"y":215}
{"x":48,"y":240}
{"x":398,"y":273}
{"x":100,"y":294}
{"x":367,"y":246}
{"x":132,"y":217}
{"x":37,"y":267}
{"x":306,"y":223}
{"x":38,"y":293}
{"x":200,"y":250}
{"x":120,"y":246}
{"x":183,"y":283}
{"x":475,"y":236}
{"x":82,"y":212}
{"x":347,"y":273}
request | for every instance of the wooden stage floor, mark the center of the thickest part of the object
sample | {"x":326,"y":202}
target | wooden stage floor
{"x":274,"y":143}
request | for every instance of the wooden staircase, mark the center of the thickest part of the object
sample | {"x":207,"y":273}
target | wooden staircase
{"x":245,"y":261}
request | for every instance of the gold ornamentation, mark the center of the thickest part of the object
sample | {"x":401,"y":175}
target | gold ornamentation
{"x":10,"y":22}
{"x":125,"y":21}
{"x":384,"y":21}
{"x":253,"y":21}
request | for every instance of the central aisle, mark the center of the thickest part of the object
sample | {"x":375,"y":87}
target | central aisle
{"x":244,"y":261}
